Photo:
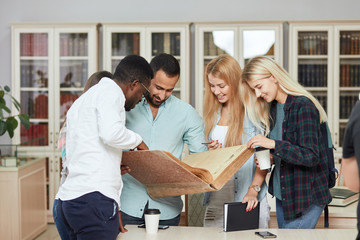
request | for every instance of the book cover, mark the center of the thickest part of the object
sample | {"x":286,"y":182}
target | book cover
{"x":341,"y":197}
{"x":236,"y":218}
{"x":164,"y":175}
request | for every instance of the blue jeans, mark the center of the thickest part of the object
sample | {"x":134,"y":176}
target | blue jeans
{"x":92,"y":216}
{"x":60,"y":226}
{"x":307,"y":220}
{"x":127,"y":219}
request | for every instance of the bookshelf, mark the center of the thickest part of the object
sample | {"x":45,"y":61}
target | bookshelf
{"x":241,"y":40}
{"x":148,"y":40}
{"x":325,"y":58}
{"x":50,"y":65}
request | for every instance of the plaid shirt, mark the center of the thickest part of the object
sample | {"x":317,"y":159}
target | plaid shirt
{"x":303,"y":169}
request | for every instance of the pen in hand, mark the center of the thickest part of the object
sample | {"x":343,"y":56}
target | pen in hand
{"x":206,"y":143}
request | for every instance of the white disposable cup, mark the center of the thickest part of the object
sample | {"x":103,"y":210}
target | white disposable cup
{"x":152,"y":217}
{"x":263,"y":157}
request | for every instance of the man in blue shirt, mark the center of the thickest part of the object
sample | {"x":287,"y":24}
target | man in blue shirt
{"x":165,"y":123}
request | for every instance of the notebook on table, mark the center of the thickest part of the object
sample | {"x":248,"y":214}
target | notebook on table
{"x":236,"y":218}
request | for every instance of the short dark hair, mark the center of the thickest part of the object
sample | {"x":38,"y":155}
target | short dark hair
{"x":167,"y":63}
{"x":131,"y":68}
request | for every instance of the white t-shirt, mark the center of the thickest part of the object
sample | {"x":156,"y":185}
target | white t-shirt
{"x":95,"y":137}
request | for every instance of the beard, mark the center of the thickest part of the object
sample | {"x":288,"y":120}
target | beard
{"x":153,"y":100}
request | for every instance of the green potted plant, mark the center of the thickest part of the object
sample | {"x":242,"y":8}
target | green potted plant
{"x":8,"y":120}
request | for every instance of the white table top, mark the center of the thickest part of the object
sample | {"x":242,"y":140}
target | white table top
{"x":189,"y":233}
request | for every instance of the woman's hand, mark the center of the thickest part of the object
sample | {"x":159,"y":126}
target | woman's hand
{"x":251,"y":199}
{"x":261,"y":141}
{"x":214,"y":145}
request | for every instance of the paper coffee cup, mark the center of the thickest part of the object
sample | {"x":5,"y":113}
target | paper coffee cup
{"x":263,"y":157}
{"x":152,"y":217}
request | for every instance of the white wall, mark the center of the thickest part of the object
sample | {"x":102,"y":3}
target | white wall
{"x":162,"y":11}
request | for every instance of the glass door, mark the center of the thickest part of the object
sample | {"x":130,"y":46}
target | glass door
{"x":348,"y":75}
{"x":211,"y":43}
{"x":33,"y":74}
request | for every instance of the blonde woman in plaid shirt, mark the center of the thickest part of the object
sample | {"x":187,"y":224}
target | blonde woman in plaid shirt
{"x":299,"y":179}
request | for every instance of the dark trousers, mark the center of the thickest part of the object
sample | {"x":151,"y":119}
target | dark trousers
{"x":91,"y":216}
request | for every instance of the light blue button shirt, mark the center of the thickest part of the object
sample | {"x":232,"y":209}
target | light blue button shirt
{"x":176,"y":123}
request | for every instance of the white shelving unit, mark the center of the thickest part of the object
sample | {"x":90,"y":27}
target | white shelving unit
{"x":50,"y":65}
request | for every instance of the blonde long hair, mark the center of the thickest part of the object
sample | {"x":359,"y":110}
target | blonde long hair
{"x":263,"y":67}
{"x":227,"y":69}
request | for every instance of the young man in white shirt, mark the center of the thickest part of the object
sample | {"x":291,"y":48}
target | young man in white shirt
{"x":96,"y":135}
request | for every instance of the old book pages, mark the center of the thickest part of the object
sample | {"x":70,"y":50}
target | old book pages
{"x":164,"y":175}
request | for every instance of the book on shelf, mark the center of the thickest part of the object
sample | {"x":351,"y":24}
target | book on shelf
{"x":164,"y":175}
{"x":236,"y":217}
{"x":342,"y":196}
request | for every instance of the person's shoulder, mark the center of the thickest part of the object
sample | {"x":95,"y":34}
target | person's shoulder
{"x":302,"y":101}
{"x":181,"y":106}
{"x":176,"y":102}
{"x":357,"y":106}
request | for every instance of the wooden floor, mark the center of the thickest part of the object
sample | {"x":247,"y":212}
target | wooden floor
{"x":50,"y":234}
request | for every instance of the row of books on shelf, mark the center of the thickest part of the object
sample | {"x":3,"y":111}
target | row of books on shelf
{"x":35,"y":107}
{"x":350,"y":43}
{"x":74,"y":45}
{"x":349,"y":75}
{"x":33,"y":75}
{"x":342,"y":197}
{"x":346,"y":105}
{"x":124,"y":44}
{"x":322,"y":100}
{"x":210,"y":48}
{"x":165,"y":43}
{"x":312,"y":75}
{"x":33,"y":44}
{"x":312,"y":43}
{"x":36,"y":135}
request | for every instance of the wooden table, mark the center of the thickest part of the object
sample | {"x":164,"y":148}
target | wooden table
{"x":23,"y":200}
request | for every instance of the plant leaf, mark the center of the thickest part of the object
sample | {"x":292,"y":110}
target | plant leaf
{"x":12,"y":122}
{"x":11,"y":132}
{"x":6,"y":88}
{"x":2,"y":127}
{"x":24,"y":119}
{"x":11,"y":125}
{"x":2,"y":93}
{"x":3,"y":106}
{"x":16,"y":103}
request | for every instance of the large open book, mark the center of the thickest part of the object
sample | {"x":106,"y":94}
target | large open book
{"x":164,"y":175}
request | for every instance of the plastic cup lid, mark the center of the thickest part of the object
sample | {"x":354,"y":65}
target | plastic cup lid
{"x":152,"y":211}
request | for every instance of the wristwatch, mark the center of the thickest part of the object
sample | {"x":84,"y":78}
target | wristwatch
{"x":255,"y":187}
